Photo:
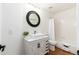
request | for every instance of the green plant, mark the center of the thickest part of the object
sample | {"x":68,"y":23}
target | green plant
{"x":25,"y":33}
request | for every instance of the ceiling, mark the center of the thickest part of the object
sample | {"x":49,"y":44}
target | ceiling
{"x":54,"y":7}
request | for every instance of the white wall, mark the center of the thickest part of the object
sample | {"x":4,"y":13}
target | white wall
{"x":0,"y":21}
{"x":12,"y":16}
{"x":44,"y":17}
{"x":65,"y":30}
{"x":77,"y":25}
{"x":14,"y":24}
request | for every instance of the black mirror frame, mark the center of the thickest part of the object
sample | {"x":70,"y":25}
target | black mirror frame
{"x":28,"y":21}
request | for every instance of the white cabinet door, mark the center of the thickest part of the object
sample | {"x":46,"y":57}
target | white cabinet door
{"x":39,"y":47}
{"x":31,"y":48}
{"x":35,"y":47}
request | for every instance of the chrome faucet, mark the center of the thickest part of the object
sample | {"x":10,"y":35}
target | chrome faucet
{"x":34,"y":32}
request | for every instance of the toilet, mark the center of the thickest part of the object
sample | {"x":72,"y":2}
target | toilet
{"x":52,"y":45}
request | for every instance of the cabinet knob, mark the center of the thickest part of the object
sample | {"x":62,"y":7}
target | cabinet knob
{"x":47,"y":50}
{"x":47,"y":41}
{"x":47,"y":44}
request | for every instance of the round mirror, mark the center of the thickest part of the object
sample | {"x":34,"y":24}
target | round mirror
{"x":33,"y":18}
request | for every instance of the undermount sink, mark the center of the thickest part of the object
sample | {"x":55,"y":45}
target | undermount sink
{"x":34,"y":37}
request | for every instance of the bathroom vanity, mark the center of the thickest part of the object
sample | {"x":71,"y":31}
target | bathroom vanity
{"x":36,"y":45}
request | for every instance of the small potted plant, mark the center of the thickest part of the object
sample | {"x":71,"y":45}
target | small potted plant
{"x":25,"y":33}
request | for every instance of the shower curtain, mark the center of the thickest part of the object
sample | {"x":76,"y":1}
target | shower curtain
{"x":51,"y":32}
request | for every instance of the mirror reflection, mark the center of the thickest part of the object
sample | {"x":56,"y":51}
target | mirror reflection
{"x":33,"y":18}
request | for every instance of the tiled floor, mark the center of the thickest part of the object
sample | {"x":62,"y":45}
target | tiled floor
{"x":59,"y":52}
